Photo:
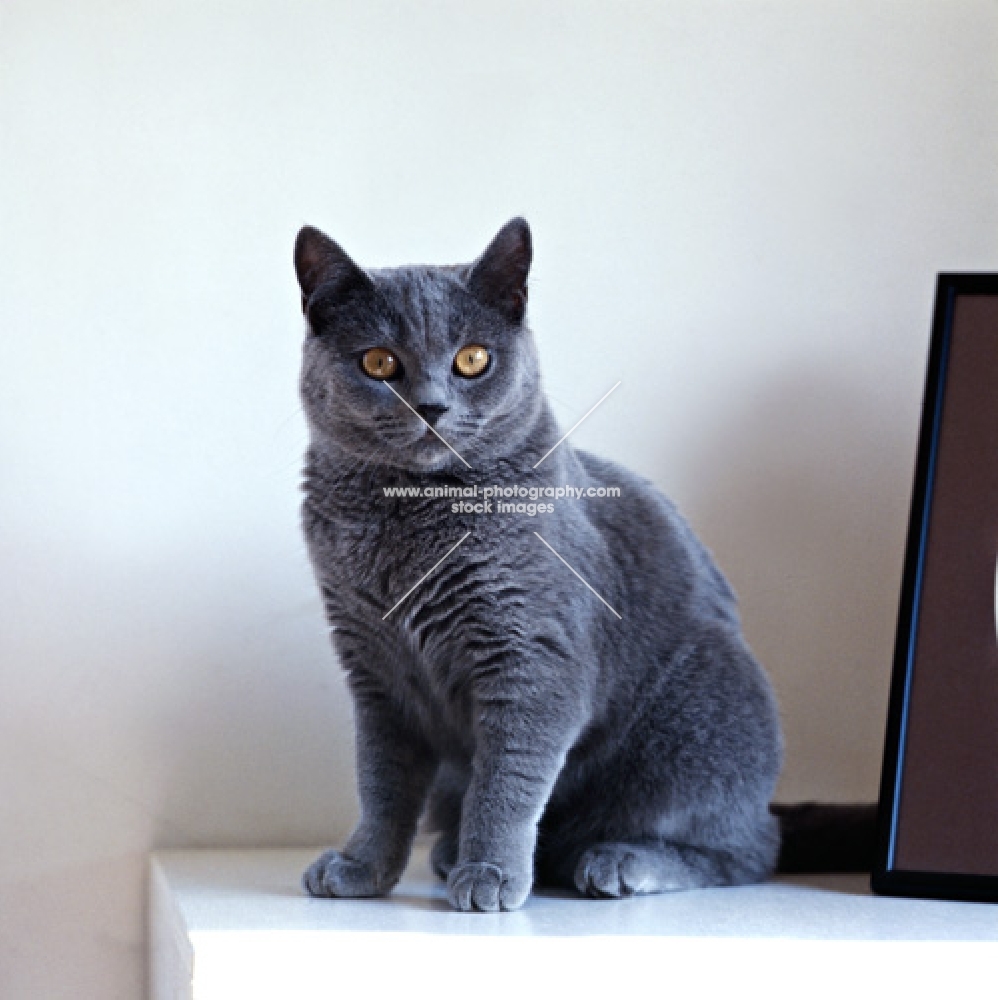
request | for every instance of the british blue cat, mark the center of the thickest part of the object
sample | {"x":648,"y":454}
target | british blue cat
{"x":568,"y":699}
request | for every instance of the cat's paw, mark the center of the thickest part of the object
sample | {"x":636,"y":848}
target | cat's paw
{"x":443,"y":855}
{"x":609,"y":871}
{"x":479,"y":885}
{"x":334,"y":874}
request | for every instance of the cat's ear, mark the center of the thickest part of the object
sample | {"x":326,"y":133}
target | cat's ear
{"x":499,"y":277}
{"x":321,"y":262}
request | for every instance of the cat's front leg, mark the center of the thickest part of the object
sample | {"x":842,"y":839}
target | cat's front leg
{"x":394,"y":769}
{"x":520,"y":749}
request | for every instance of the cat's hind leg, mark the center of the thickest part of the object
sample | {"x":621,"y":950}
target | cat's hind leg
{"x":615,"y":869}
{"x":443,"y":854}
{"x":443,"y":815}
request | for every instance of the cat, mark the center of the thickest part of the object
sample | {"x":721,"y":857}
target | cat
{"x":568,"y":698}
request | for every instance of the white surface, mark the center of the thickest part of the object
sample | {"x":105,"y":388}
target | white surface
{"x":738,"y":209}
{"x":235,"y":924}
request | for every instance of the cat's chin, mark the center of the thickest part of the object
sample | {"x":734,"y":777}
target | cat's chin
{"x":420,"y":460}
{"x":426,"y":454}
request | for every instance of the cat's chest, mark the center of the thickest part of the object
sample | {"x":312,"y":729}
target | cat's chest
{"x":421,"y":600}
{"x":435,"y":581}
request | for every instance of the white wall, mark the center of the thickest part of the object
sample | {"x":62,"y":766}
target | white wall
{"x":738,"y":208}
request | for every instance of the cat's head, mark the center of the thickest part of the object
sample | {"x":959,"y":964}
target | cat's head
{"x":449,"y":343}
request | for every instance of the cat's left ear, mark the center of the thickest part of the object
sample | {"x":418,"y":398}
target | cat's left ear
{"x":499,"y":277}
{"x":320,"y":261}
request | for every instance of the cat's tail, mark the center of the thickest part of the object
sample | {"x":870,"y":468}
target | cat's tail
{"x":826,"y":838}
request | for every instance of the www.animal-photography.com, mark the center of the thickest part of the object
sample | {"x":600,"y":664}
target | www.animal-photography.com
{"x":499,"y":498}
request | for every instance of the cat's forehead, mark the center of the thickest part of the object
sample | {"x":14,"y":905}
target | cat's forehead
{"x":416,"y":288}
{"x":426,"y":298}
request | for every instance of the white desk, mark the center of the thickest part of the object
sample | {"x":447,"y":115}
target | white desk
{"x":234,"y":925}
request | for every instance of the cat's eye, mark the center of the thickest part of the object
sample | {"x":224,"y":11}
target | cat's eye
{"x":471,"y":360}
{"x":379,"y":363}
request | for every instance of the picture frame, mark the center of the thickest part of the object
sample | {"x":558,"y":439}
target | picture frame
{"x":938,"y":810}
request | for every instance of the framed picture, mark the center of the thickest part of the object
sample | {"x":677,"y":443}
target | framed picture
{"x":938,"y":814}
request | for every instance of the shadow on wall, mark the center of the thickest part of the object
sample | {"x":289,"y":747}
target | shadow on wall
{"x":804,"y":498}
{"x":266,"y":757}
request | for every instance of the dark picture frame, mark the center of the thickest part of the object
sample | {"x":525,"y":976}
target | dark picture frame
{"x":938,"y":815}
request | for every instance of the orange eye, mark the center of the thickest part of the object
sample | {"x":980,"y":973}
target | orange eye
{"x":471,"y":360}
{"x":379,"y":363}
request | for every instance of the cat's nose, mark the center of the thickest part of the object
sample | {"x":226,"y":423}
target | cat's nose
{"x":431,"y":413}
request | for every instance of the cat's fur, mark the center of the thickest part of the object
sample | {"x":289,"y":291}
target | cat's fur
{"x":544,"y":737}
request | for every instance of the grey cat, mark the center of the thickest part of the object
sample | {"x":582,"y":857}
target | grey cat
{"x":617,"y":742}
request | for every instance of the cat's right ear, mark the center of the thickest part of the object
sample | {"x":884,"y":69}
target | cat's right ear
{"x":321,"y":263}
{"x":499,"y":276}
